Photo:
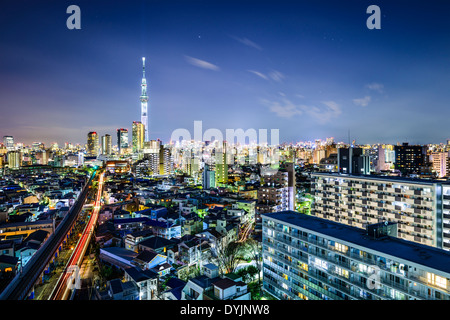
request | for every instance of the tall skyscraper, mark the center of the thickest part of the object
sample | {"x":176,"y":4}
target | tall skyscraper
{"x":222,"y":163}
{"x":122,"y":139}
{"x":165,"y":159}
{"x":138,"y":132}
{"x":144,"y":101}
{"x":14,"y":159}
{"x":92,"y":144}
{"x":106,"y":144}
{"x":8,"y":141}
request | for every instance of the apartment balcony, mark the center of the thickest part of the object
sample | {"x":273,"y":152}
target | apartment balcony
{"x":407,"y":218}
{"x":409,"y":210}
{"x":390,"y":190}
{"x":358,"y":224}
{"x":407,"y":236}
{"x":372,"y":220}
{"x":390,"y":198}
{"x":427,"y":204}
{"x":390,"y":215}
{"x":427,"y":232}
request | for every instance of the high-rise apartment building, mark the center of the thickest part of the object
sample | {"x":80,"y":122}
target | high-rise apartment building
{"x":92,"y":144}
{"x":152,"y":156}
{"x":309,"y":258}
{"x":277,"y":191}
{"x":440,"y":161}
{"x":221,"y":166}
{"x":138,"y":136}
{"x":381,"y":160}
{"x":208,"y":178}
{"x":415,"y":204}
{"x":165,"y":160}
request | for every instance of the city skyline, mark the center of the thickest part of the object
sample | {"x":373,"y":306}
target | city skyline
{"x":311,"y":70}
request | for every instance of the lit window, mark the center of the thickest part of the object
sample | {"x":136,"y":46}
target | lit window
{"x":340,"y":247}
{"x":437,"y":280}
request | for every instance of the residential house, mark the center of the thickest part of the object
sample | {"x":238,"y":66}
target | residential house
{"x":228,"y":289}
{"x":118,"y":290}
{"x":173,"y":289}
{"x":196,"y":287}
{"x":148,"y":259}
{"x":156,"y":244}
{"x":133,"y":239}
{"x":194,"y":250}
{"x":145,"y":280}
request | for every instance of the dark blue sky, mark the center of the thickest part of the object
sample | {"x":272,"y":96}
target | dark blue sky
{"x":311,"y":69}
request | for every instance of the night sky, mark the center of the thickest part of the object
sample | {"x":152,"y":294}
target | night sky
{"x":311,"y":69}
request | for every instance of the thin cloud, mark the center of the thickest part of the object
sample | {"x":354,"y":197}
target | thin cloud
{"x":247,"y":42}
{"x":375,"y":86}
{"x":259,"y":74}
{"x":276,"y":75}
{"x":362,"y":102}
{"x":325,"y":115}
{"x":287,"y":109}
{"x":201,"y":63}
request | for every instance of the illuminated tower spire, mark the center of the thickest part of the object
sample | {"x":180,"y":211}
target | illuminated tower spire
{"x":144,"y":101}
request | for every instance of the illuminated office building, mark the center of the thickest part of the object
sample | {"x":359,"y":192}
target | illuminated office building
{"x":92,"y":144}
{"x":8,"y":142}
{"x":122,"y":140}
{"x":410,"y":159}
{"x":106,"y":144}
{"x":14,"y":159}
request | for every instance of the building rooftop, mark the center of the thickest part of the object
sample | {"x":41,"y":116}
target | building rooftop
{"x":139,"y":275}
{"x":120,"y":252}
{"x":427,"y":256}
{"x":156,"y":242}
{"x":204,"y":281}
{"x":146,"y":256}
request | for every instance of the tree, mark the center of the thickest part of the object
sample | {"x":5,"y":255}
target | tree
{"x":228,"y":255}
{"x":254,"y":251}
